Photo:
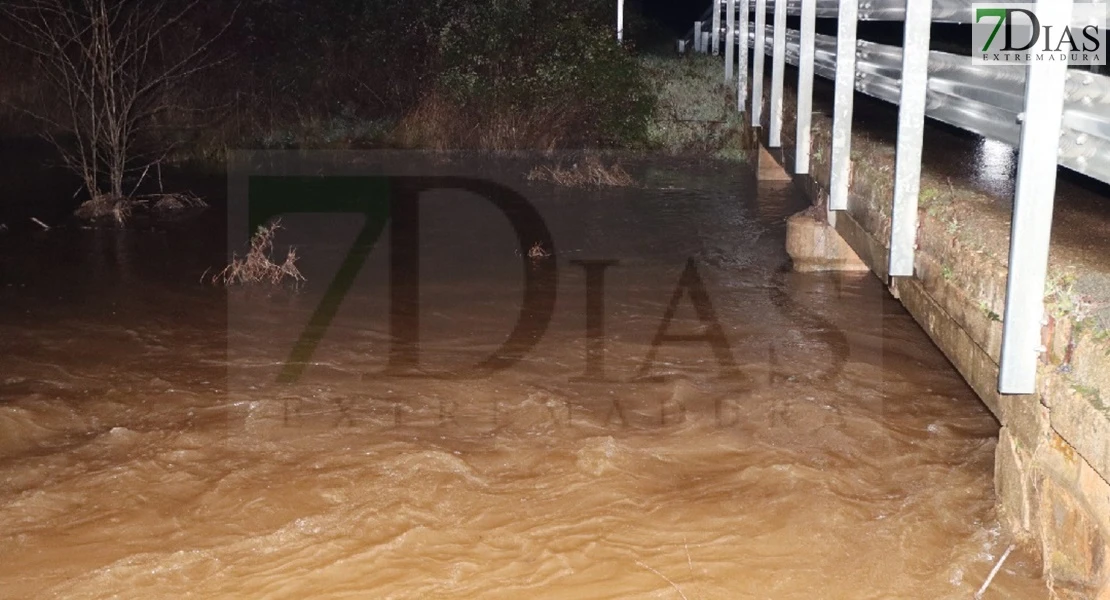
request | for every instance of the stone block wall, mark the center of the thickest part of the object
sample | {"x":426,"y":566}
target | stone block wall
{"x":1052,"y":463}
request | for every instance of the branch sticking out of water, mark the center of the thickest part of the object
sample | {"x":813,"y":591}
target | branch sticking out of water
{"x":258,"y":265}
{"x":994,"y":571}
{"x":665,"y":578}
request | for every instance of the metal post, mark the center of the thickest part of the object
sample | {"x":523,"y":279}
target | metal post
{"x":730,"y":37}
{"x":778,"y":66}
{"x":805,"y":86}
{"x":843,"y":101}
{"x":697,"y":36}
{"x":620,"y":20}
{"x":911,"y":129}
{"x":742,"y":73}
{"x":1031,"y":227}
{"x":715,"y":35}
{"x":757,"y":70}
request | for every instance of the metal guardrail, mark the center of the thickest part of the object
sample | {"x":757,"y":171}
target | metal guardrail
{"x":1021,"y":106}
{"x":943,"y":11}
{"x":984,"y":100}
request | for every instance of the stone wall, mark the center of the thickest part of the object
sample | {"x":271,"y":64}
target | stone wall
{"x":1052,"y":461}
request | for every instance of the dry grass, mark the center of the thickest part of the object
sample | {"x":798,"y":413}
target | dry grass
{"x":258,"y":265}
{"x":695,"y":113}
{"x":438,"y":124}
{"x":588,"y":171}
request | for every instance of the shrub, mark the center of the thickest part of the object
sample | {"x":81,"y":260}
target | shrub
{"x":556,"y":70}
{"x":696,"y":111}
{"x":258,"y":265}
{"x":587,"y":171}
{"x":494,"y":74}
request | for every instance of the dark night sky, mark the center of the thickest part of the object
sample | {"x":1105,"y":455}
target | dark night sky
{"x":678,"y":15}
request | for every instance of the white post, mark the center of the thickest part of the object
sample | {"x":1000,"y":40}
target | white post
{"x":757,"y":70}
{"x":805,"y":86}
{"x":843,"y":101}
{"x":911,"y":130}
{"x":620,"y":20}
{"x":778,"y":68}
{"x":730,"y":37}
{"x":1031,"y":227}
{"x":742,"y":73}
{"x":697,"y":36}
{"x":715,"y":36}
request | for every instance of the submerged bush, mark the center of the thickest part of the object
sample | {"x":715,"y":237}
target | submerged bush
{"x":587,"y":171}
{"x":121,"y":208}
{"x":258,"y":266}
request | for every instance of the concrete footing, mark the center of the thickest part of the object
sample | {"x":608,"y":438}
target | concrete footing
{"x":813,"y":246}
{"x":769,"y":169}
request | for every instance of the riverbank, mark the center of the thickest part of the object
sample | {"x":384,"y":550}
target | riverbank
{"x":687,"y":118}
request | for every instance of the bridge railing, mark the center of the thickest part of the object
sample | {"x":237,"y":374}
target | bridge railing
{"x":1019,"y":105}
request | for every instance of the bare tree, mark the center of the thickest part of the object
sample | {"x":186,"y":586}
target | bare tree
{"x":113,"y":64}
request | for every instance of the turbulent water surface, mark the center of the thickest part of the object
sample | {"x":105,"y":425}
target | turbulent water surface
{"x":688,"y":420}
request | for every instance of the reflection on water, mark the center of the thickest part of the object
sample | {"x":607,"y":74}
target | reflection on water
{"x":828,"y":450}
{"x":995,"y":166}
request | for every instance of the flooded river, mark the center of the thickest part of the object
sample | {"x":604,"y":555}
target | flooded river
{"x":676,"y":415}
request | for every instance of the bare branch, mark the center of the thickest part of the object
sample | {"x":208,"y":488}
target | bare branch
{"x":114,"y":63}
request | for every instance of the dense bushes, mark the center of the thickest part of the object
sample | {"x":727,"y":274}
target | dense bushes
{"x":513,"y":57}
{"x":492,"y":74}
{"x":447,"y":73}
{"x":695,"y":109}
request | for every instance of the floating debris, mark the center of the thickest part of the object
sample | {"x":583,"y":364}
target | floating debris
{"x":537,"y":252}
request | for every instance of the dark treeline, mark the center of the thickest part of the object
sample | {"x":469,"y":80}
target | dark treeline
{"x":447,"y":73}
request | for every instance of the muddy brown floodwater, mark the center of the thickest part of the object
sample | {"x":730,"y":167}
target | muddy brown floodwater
{"x":803,"y":440}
